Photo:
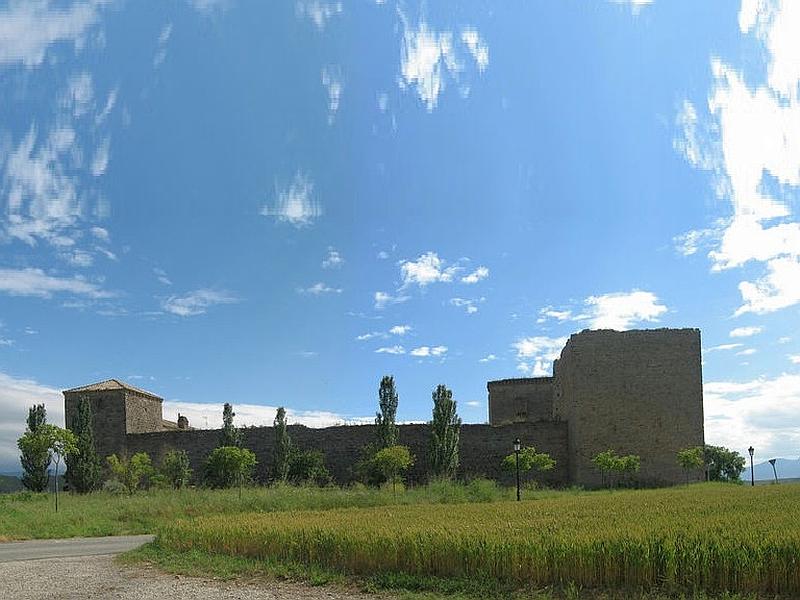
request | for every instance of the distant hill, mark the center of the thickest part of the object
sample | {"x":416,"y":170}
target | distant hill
{"x":788,"y":468}
{"x":9,"y":483}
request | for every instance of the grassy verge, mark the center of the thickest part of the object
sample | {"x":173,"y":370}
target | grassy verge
{"x":31,"y":516}
{"x":403,"y":586}
{"x":711,"y":537}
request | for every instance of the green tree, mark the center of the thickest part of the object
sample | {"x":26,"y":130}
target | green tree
{"x":445,"y":431}
{"x":35,"y":457}
{"x":131,"y":472}
{"x":529,"y":460}
{"x":724,"y":464}
{"x":230,"y":435}
{"x":283,"y":446}
{"x":609,"y":462}
{"x":55,"y":441}
{"x":691,"y":459}
{"x":83,"y":466}
{"x":385,"y":419}
{"x":175,"y":468}
{"x":308,"y":466}
{"x":228,"y":466}
{"x":393,"y":462}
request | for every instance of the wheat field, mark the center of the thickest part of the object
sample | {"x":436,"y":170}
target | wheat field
{"x":703,"y":537}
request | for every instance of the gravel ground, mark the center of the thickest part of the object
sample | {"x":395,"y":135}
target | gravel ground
{"x":100,"y":577}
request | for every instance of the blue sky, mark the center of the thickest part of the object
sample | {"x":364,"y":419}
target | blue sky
{"x":277,"y":203}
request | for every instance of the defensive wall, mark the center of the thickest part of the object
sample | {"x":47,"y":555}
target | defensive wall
{"x":635,"y":392}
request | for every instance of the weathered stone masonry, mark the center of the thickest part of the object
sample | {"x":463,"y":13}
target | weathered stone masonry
{"x":635,"y":392}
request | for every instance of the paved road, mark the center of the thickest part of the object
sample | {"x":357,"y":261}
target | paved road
{"x":36,"y":549}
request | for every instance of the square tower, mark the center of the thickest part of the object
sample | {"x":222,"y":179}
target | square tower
{"x":117,"y":409}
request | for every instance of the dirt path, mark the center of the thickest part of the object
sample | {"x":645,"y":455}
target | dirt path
{"x":99,"y":577}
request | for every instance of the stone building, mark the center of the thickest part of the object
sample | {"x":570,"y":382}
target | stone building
{"x":636,"y":392}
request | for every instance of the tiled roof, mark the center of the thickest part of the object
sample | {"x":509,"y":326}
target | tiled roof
{"x":111,"y":384}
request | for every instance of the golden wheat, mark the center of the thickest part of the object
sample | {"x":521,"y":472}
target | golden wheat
{"x":713,"y":538}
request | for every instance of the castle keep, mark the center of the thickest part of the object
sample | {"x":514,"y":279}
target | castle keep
{"x":636,"y":392}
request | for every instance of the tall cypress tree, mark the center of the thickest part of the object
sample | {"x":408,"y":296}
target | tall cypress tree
{"x":83,"y":466}
{"x":35,"y":462}
{"x":385,"y":419}
{"x":230,"y":435}
{"x":283,"y":446}
{"x":445,"y":431}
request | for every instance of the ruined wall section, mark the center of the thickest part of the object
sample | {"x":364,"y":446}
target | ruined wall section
{"x":520,"y":400}
{"x":636,"y":392}
{"x":481,"y":451}
{"x":108,"y":416}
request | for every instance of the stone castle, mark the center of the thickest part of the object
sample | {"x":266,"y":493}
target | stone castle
{"x":636,"y":392}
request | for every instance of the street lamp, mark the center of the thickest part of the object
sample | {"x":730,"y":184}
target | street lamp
{"x":517,"y":448}
{"x":752,"y":472}
{"x":774,"y":470}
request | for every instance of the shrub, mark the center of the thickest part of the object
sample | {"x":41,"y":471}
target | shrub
{"x":131,"y":472}
{"x":228,"y":466}
{"x":34,"y":456}
{"x":308,"y":466}
{"x":175,"y":468}
{"x":393,"y":462}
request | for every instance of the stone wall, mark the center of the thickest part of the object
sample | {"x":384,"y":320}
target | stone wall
{"x":142,"y":413}
{"x":636,"y":392}
{"x":108,"y":416}
{"x":520,"y":400}
{"x":481,"y":451}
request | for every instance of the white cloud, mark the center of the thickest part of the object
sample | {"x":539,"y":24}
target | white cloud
{"x":794,"y":359}
{"x":548,"y":312}
{"x":196,"y":302}
{"x":17,"y":395}
{"x":208,"y":6}
{"x":383,"y":299}
{"x":101,"y":157}
{"x":745,"y":331}
{"x":471,"y":306}
{"x":400,"y":329}
{"x":161,"y":48}
{"x":35,"y":282}
{"x":427,"y":269}
{"x":161,"y":275}
{"x":333,"y":260}
{"x":429,"y":58}
{"x":200,"y":413}
{"x":318,"y":11}
{"x":476,"y":275}
{"x":635,"y":5}
{"x":397,"y":349}
{"x":334,"y":84}
{"x":318,"y":289}
{"x":6,"y":342}
{"x":29,"y":27}
{"x":488,"y":358}
{"x":747,"y":352}
{"x":372,"y":334}
{"x":424,"y":351}
{"x":621,"y":310}
{"x":78,"y":258}
{"x":295,"y":204}
{"x":473,"y":404}
{"x":784,"y":340}
{"x":764,"y":413}
{"x":751,"y":144}
{"x":723,"y":347}
{"x":535,"y":355}
{"x":101,"y":234}
{"x":476,"y":46}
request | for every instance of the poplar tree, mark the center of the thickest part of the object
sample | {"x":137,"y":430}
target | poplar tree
{"x":385,"y":419}
{"x":445,"y":430}
{"x":230,"y":435}
{"x":283,"y":446}
{"x":83,"y":466}
{"x":35,"y":458}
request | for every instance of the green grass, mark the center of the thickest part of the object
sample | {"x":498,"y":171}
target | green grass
{"x":31,"y":516}
{"x":706,"y":537}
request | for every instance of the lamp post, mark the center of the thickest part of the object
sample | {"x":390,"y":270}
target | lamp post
{"x":517,"y":448}
{"x":774,"y":470}
{"x":752,"y":472}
